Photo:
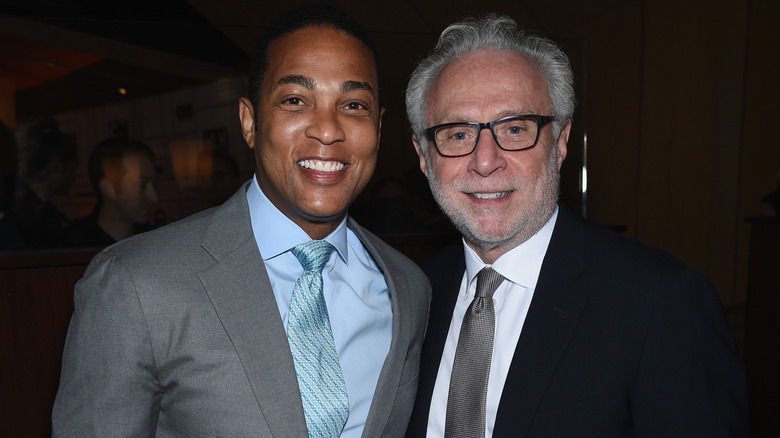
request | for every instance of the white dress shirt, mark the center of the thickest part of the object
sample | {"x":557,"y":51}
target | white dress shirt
{"x":520,"y":266}
{"x":355,"y":291}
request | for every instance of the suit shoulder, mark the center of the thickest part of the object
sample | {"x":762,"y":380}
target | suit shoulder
{"x":616,"y":262}
{"x":180,"y":232}
{"x":605,"y":245}
{"x":229,"y":221}
{"x":172,"y":244}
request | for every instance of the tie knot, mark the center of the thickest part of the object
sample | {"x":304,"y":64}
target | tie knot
{"x":488,"y":281}
{"x":313,"y":254}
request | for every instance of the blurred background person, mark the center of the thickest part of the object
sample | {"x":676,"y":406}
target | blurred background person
{"x":122,"y":174}
{"x":47,"y":167}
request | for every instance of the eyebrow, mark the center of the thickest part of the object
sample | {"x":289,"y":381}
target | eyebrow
{"x":510,"y":112}
{"x":303,"y":81}
{"x":309,"y":84}
{"x":356,"y":85}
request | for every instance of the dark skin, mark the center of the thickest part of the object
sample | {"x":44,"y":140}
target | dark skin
{"x":317,"y":128}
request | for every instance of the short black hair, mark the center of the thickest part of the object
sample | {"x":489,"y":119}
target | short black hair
{"x":312,"y":15}
{"x":112,"y":148}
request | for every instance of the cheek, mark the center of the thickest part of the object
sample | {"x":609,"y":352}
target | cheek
{"x":370,"y":157}
{"x":528,"y":166}
{"x":367,"y":160}
{"x":278,"y":135}
{"x":289,"y":127}
{"x":272,"y":154}
{"x":446,"y":172}
{"x":366,"y":145}
{"x":362,"y":133}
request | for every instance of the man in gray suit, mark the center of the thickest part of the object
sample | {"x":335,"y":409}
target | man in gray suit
{"x":182,"y":331}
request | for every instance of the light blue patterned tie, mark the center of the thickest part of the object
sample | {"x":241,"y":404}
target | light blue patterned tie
{"x":321,"y":382}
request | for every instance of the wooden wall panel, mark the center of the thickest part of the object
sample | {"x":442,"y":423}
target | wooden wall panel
{"x":35,"y":307}
{"x":760,"y":145}
{"x":611,"y":108}
{"x":679,"y":99}
{"x":690,"y":123}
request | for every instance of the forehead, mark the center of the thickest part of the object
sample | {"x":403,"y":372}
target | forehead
{"x":312,"y":50}
{"x":135,"y":162}
{"x":489,"y":83}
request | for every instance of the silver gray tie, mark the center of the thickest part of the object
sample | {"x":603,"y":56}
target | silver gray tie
{"x":469,"y":380}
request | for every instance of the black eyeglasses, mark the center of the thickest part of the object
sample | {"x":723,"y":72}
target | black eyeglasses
{"x":513,"y":133}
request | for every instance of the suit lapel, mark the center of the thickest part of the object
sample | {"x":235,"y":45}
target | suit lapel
{"x":390,"y":376}
{"x":445,"y":276}
{"x":551,"y":321}
{"x":241,"y":294}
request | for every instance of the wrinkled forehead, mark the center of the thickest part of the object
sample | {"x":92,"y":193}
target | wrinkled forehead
{"x":488,"y":80}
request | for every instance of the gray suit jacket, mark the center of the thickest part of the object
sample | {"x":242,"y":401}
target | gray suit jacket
{"x":176,"y":333}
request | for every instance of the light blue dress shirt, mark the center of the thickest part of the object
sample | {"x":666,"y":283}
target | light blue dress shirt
{"x":355,"y":292}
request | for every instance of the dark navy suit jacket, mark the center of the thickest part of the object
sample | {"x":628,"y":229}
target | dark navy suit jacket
{"x":621,"y":340}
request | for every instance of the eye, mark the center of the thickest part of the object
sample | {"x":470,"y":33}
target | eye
{"x":293,"y":101}
{"x":459,"y":136}
{"x":515,"y":128}
{"x":355,"y":106}
{"x":455,"y":134}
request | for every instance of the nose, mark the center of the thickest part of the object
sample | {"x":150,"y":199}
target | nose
{"x":325,"y":126}
{"x":487,"y":156}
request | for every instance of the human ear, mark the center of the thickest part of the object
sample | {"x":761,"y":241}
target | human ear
{"x":562,"y":142}
{"x":246,"y":113}
{"x":106,"y":189}
{"x":420,"y":155}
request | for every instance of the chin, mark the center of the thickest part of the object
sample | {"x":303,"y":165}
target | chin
{"x":487,"y":240}
{"x":323,"y":216}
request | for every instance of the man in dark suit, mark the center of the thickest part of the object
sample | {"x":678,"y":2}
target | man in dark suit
{"x":584,"y":333}
{"x":187,"y":330}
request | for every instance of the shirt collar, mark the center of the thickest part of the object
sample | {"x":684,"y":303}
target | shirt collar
{"x":520,"y":265}
{"x":285,"y":233}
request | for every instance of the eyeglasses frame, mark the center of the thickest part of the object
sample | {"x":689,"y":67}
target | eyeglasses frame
{"x":540,"y":122}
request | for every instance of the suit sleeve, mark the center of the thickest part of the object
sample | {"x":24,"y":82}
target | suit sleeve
{"x":107,"y":386}
{"x":691,"y":380}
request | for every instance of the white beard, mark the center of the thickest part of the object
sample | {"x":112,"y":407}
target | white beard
{"x":528,"y":221}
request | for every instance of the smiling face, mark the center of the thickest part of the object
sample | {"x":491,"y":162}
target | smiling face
{"x":317,"y":128}
{"x":497,"y":199}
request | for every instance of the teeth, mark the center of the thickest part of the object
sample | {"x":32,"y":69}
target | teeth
{"x":322,"y":166}
{"x":489,"y":195}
